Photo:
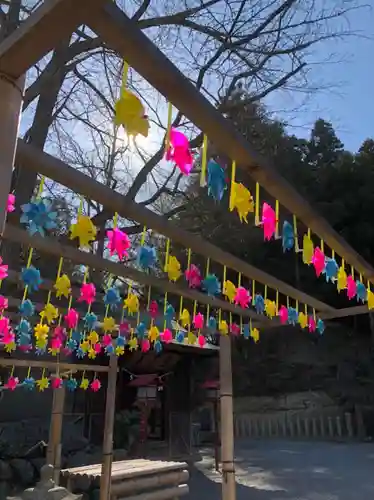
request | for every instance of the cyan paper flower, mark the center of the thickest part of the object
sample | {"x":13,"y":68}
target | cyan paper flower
{"x":80,"y":353}
{"x":147,"y":257}
{"x":288,"y":237}
{"x":31,"y":277}
{"x":320,"y":326}
{"x":293,"y":316}
{"x":90,"y":321}
{"x":29,"y":383}
{"x":211,"y":285}
{"x":23,"y":327}
{"x":71,"y":344}
{"x":361,"y":292}
{"x":76,"y":336}
{"x":140,"y":331}
{"x":27,"y":308}
{"x":112,"y":298}
{"x":109,"y":349}
{"x":212,"y":323}
{"x":71,"y":384}
{"x":246,"y":331}
{"x":121,"y":341}
{"x":331,"y":269}
{"x":38,"y":217}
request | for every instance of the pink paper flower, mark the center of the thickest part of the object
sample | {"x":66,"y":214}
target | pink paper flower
{"x":269,"y":221}
{"x":242,"y":297}
{"x":97,"y":348}
{"x":351,"y":287}
{"x":59,"y":333}
{"x":179,"y":151}
{"x":107,"y":340}
{"x":145,"y":345}
{"x":198,"y":321}
{"x":311,"y":324}
{"x":3,"y":270}
{"x":234,"y":329}
{"x":87,"y":293}
{"x":11,"y":203}
{"x":124,"y":328}
{"x":56,"y":382}
{"x":4,"y":325}
{"x":8,"y":337}
{"x":95,"y":385}
{"x":25,"y":348}
{"x":118,"y":243}
{"x":283,"y":314}
{"x":12,"y":383}
{"x":193,"y":276}
{"x":153,"y":309}
{"x":56,"y":343}
{"x":318,"y":261}
{"x":167,"y":336}
{"x":201,"y":340}
{"x":3,"y":303}
{"x":72,"y":318}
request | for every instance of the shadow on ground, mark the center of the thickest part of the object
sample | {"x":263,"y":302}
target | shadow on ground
{"x":276,"y":470}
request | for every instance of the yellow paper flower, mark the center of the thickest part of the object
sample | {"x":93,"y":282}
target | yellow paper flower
{"x":191,"y":338}
{"x":223,"y":327}
{"x":341,"y":279}
{"x":370,"y":299}
{"x":129,"y":112}
{"x":308,"y":249}
{"x":229,"y":290}
{"x":41,"y":331}
{"x":84,"y":230}
{"x":92,"y":354}
{"x":41,"y":343}
{"x":62,"y":286}
{"x":93,"y":337}
{"x":133,"y":344}
{"x":303,"y":320}
{"x":120,"y":350}
{"x":131,"y":303}
{"x":53,"y":351}
{"x":10,"y":347}
{"x":270,"y":308}
{"x":185,"y":318}
{"x":173,"y":268}
{"x":42,"y":384}
{"x":242,"y":200}
{"x":85,"y":346}
{"x":109,"y":325}
{"x":153,"y":333}
{"x":84,"y":383}
{"x":255,"y":334}
{"x":49,"y":313}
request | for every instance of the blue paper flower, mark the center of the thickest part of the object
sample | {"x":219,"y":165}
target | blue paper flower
{"x":147,"y":257}
{"x":90,"y":320}
{"x":212,"y":323}
{"x":211,"y":285}
{"x":216,"y":180}
{"x":23,"y":327}
{"x":27,"y":308}
{"x":71,"y":384}
{"x":259,"y":304}
{"x":112,"y":298}
{"x":169,"y":315}
{"x":320,"y":327}
{"x":71,"y":344}
{"x":140,"y":331}
{"x":331,"y":269}
{"x":293,"y":316}
{"x":38,"y":217}
{"x":179,"y":337}
{"x":29,"y":383}
{"x":76,"y":336}
{"x":246,"y":331}
{"x":31,"y":277}
{"x":288,"y":237}
{"x":361,"y":292}
{"x":109,"y":349}
{"x":121,"y":341}
{"x":157,"y":346}
{"x":80,"y":353}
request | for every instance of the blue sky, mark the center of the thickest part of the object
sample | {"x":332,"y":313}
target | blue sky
{"x":349,"y":105}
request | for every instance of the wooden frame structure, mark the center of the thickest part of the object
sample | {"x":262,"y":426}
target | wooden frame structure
{"x":27,"y":45}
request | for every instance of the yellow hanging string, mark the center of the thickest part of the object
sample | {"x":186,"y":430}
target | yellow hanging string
{"x":168,"y":129}
{"x":250,"y":325}
{"x":28,"y":372}
{"x":115,"y":220}
{"x":189,"y":258}
{"x":257,"y":205}
{"x":333,"y":254}
{"x":144,"y":233}
{"x":219,"y":316}
{"x":27,"y":265}
{"x":224,"y":274}
{"x":368,"y":286}
{"x":125,"y":74}
{"x":207,"y":313}
{"x":241,"y":324}
{"x":239,"y":280}
{"x":277,"y":300}
{"x":207,"y":266}
{"x":266,"y":292}
{"x":306,"y":309}
{"x":181,"y":305}
{"x":277,"y":219}
{"x":204,"y":162}
{"x":288,"y":302}
{"x":297,"y":306}
{"x":360,"y":278}
{"x":167,"y":255}
{"x":253,"y":291}
{"x":309,"y":234}
{"x":314,"y":315}
{"x":149,"y":298}
{"x":352,"y":272}
{"x":12,"y":371}
{"x":194,"y":308}
{"x":233,"y":173}
{"x":165,"y":304}
{"x":343,"y":264}
{"x":322,"y":246}
{"x":295,"y":233}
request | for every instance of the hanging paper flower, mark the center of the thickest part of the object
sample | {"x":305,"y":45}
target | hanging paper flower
{"x":318,"y":261}
{"x":320,"y":326}
{"x":157,"y":346}
{"x":342,"y":279}
{"x":133,"y":344}
{"x":92,"y":352}
{"x":37,"y":215}
{"x":59,"y":332}
{"x":109,"y":325}
{"x":268,"y":221}
{"x":31,"y":278}
{"x":112,"y":298}
{"x":212,"y":323}
{"x":11,"y":203}
{"x":77,"y":336}
{"x":198,"y":321}
{"x":12,"y":383}
{"x":242,"y":297}
{"x":4,"y":325}
{"x":27,"y":308}
{"x":49,"y":313}
{"x":3,"y":270}
{"x":121,"y":341}
{"x":242,"y":200}
{"x":3,"y":304}
{"x":62,"y":286}
{"x":140,"y":330}
{"x":124,"y":328}
{"x":185,"y":318}
{"x":303,"y":320}
{"x":119,"y":350}
{"x":229,"y":290}
{"x":193,"y":276}
{"x":173,"y":268}
{"x":85,"y":346}
{"x":71,"y":384}
{"x":331,"y":270}
{"x":130,"y":113}
{"x":29,"y":383}
{"x":9,"y":343}
{"x":153,"y":333}
{"x":80,"y":353}
{"x":153,"y":309}
{"x":56,"y":382}
{"x":147,"y":257}
{"x":95,"y":385}
{"x":41,"y":331}
{"x":84,"y":383}
{"x":107,"y":340}
{"x":270,"y":308}
{"x":370,"y":299}
{"x":87,"y":293}
{"x":312,"y":324}
{"x":308,"y":249}
{"x":201,"y":340}
{"x":56,"y":345}
{"x":42,"y":383}
{"x":351,"y":287}
{"x":361,"y":291}
{"x":223,"y":327}
{"x":118,"y":243}
{"x":169,"y":315}
{"x":24,"y":327}
{"x":131,"y":303}
{"x":288,"y":236}
{"x":259,"y":304}
{"x":180,"y":337}
{"x":90,"y":320}
{"x":255,"y":334}
{"x":283,"y":315}
{"x":166,"y":336}
{"x":211,"y":285}
{"x":234,"y":329}
{"x":216,"y":180}
{"x":292,"y":316}
{"x":145,"y":345}
{"x":71,"y":318}
{"x":191,"y":338}
{"x":93,"y":337}
{"x":179,"y":151}
{"x":84,"y":230}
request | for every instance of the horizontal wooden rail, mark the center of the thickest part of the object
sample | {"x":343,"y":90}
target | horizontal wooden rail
{"x":30,"y":157}
{"x":52,"y":365}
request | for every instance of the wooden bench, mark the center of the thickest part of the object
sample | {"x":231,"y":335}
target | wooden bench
{"x":134,"y":479}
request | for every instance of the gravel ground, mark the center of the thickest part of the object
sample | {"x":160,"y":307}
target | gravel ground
{"x":280,"y":470}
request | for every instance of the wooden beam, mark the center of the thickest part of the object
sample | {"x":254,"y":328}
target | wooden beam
{"x":51,"y":365}
{"x":124,"y":36}
{"x":30,"y":157}
{"x":40,"y":33}
{"x":51,"y":246}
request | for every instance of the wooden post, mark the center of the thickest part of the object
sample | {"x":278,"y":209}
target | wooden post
{"x":11,"y":97}
{"x":55,"y":429}
{"x":227,"y":424}
{"x":106,"y":466}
